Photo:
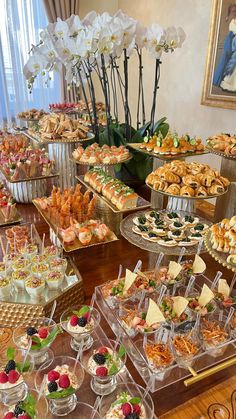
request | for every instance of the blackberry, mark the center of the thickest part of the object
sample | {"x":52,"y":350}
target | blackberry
{"x":31,"y":331}
{"x":82,"y":321}
{"x":132,"y":416}
{"x":11,"y":365}
{"x":99,"y":359}
{"x":52,"y":386}
{"x":18,"y":410}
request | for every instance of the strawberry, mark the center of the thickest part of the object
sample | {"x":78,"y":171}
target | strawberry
{"x":24,"y":416}
{"x":86,"y":315}
{"x":101,"y":371}
{"x":3,"y":377}
{"x":53,"y":375}
{"x":64,"y":381}
{"x":136,"y":409}
{"x":103,"y":350}
{"x":126,"y":409}
{"x":74,"y":320}
{"x":9,"y":415}
{"x":13,"y":376}
{"x":43,"y":332}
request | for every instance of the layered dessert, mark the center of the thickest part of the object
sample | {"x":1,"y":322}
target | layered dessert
{"x":40,"y":337}
{"x":24,"y":409}
{"x":126,"y":406}
{"x":104,"y":362}
{"x":60,"y":382}
{"x":35,"y":286}
{"x":81,"y":321}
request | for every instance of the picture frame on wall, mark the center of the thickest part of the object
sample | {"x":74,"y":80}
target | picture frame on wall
{"x":219,"y":88}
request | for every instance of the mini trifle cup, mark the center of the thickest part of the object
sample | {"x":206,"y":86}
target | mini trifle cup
{"x":186,"y":345}
{"x":40,"y":270}
{"x":29,"y":406}
{"x":14,"y":369}
{"x":5,"y":287}
{"x":127,"y":399}
{"x":42,"y":331}
{"x":103,"y":361}
{"x":21,"y":264}
{"x":61,"y":377}
{"x":4,"y":269}
{"x":29,"y":251}
{"x":51,"y":252}
{"x":214,"y":335}
{"x":35,"y":287}
{"x":80,"y":322}
{"x":58,"y":264}
{"x":54,"y":280}
{"x":19,"y":277}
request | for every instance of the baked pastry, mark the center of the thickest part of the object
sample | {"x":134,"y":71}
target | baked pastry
{"x":205,"y":179}
{"x":201,"y":191}
{"x":171,"y":177}
{"x":161,"y":185}
{"x":187,"y":191}
{"x":190,"y":180}
{"x":173,"y":189}
{"x":215,"y":190}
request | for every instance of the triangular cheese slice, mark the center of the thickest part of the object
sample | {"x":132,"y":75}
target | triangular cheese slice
{"x":180,"y":304}
{"x":174,"y":269}
{"x":206,"y":296}
{"x":223,"y":287}
{"x":199,"y":265}
{"x":129,"y":279}
{"x":154,"y":314}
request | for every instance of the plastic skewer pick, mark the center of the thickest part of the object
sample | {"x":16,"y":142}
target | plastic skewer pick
{"x":3,"y":248}
{"x":78,"y":355}
{"x":182,"y":252}
{"x":27,"y":353}
{"x":199,"y":247}
{"x":93,"y":300}
{"x":53,"y":309}
{"x":96,"y":406}
{"x":232,"y":283}
{"x":230,"y":315}
{"x":158,"y":262}
{"x":43,"y":241}
{"x":162,"y":293}
{"x":138,"y":266}
{"x":216,"y":280}
{"x":141,"y":299}
{"x":148,"y":388}
{"x":120,"y":272}
{"x":41,"y":387}
{"x":189,"y":286}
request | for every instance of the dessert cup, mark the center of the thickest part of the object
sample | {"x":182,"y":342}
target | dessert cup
{"x":128,"y":391}
{"x":11,"y":393}
{"x":41,"y":405}
{"x":20,"y":264}
{"x":63,"y":400}
{"x":81,"y":335}
{"x":214,"y":339}
{"x":19,"y":278}
{"x":58,"y":264}
{"x":40,"y":349}
{"x":35,"y":287}
{"x":40,"y":270}
{"x":104,"y":374}
{"x":185,"y":344}
{"x":4,"y":269}
{"x":5,"y":287}
{"x":54,"y":280}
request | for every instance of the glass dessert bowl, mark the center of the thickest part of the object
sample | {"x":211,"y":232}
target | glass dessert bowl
{"x":103,"y":361}
{"x":42,"y":332}
{"x":84,"y":411}
{"x":80,"y":322}
{"x":127,"y":399}
{"x":13,"y":371}
{"x":186,"y":345}
{"x":60,"y":379}
{"x":29,"y":406}
{"x":214,"y":334}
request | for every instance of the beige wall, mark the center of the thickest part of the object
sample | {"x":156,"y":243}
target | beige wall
{"x":182,"y":72}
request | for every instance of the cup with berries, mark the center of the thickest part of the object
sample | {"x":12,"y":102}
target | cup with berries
{"x":41,"y":332}
{"x":80,"y":322}
{"x":103,"y":361}
{"x":59,"y":379}
{"x":128,"y":401}
{"x":13,"y":374}
{"x":30,"y":407}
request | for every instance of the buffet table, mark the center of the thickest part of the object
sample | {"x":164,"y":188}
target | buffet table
{"x":103,"y":265}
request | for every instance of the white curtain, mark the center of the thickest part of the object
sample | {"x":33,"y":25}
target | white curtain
{"x":21,"y":22}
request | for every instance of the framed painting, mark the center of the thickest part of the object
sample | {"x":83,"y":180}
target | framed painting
{"x":219,"y":87}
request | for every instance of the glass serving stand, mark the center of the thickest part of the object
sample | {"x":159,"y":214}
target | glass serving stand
{"x":204,"y":363}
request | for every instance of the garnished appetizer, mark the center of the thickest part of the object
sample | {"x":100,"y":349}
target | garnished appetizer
{"x":196,"y":267}
{"x":4,"y":269}
{"x":233,"y":325}
{"x":11,"y":373}
{"x":186,"y":346}
{"x":176,"y":234}
{"x":54,"y":280}
{"x":105,"y":361}
{"x":58,"y":264}
{"x":24,"y":409}
{"x":19,"y":277}
{"x":202,"y":303}
{"x":51,"y":251}
{"x":40,"y":269}
{"x":199,"y":228}
{"x":213,"y":333}
{"x":172,"y":216}
{"x":60,"y":382}
{"x":159,"y":356}
{"x":167,"y":241}
{"x":94,"y":154}
{"x":5,"y":286}
{"x":189,"y":220}
{"x":41,"y":337}
{"x":121,"y":288}
{"x":7,"y":204}
{"x":81,"y":321}
{"x":21,"y":264}
{"x":175,"y":309}
{"x":223,"y":294}
{"x":126,"y":407}
{"x":170,"y":275}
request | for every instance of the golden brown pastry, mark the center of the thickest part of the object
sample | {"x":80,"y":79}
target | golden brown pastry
{"x":215,"y":190}
{"x":187,"y":191}
{"x":160,"y":185}
{"x":201,"y":191}
{"x":190,"y":180}
{"x":225,"y":223}
{"x":232,"y":221}
{"x":173,"y":189}
{"x":224,"y":180}
{"x":171,"y":177}
{"x":205,"y":179}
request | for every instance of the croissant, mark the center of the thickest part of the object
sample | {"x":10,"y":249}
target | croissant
{"x":215,"y":190}
{"x":171,"y":177}
{"x":201,"y":191}
{"x":190,"y":180}
{"x":187,"y":191}
{"x":173,"y":189}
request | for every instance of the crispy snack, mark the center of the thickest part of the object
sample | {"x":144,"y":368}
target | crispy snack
{"x":159,"y":354}
{"x":213,"y":333}
{"x":57,"y":126}
{"x":184,"y":345}
{"x":225,"y":143}
{"x":32,"y":114}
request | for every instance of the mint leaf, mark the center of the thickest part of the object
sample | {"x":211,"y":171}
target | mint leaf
{"x":21,"y":368}
{"x":135,"y":400}
{"x":62,"y":393}
{"x":83,"y":310}
{"x":121,"y":352}
{"x":45,"y":342}
{"x":29,"y":406}
{"x":10,"y":353}
{"x":113,"y":369}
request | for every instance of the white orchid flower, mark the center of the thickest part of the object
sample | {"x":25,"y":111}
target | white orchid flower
{"x":75,"y":25}
{"x":141,"y":36}
{"x":35,"y":64}
{"x":89,"y":18}
{"x":61,"y":29}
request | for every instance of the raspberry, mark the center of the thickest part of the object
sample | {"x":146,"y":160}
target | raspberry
{"x":9,"y":415}
{"x":126,"y":409}
{"x":13,"y":376}
{"x":103,"y":350}
{"x":101,"y":371}
{"x":99,"y":359}
{"x":53,"y":375}
{"x":43,"y":332}
{"x":64,"y":381}
{"x":74,"y":320}
{"x":136,"y":409}
{"x":86,"y":315}
{"x":3,"y":377}
{"x":24,"y":417}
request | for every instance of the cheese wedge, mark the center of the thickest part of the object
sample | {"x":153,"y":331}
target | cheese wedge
{"x":206,"y":296}
{"x":180,"y":304}
{"x":154,"y":314}
{"x":174,"y":269}
{"x":199,"y":265}
{"x":223,"y":287}
{"x":129,"y":279}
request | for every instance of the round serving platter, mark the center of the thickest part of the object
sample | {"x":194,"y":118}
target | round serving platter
{"x":166,"y":157}
{"x":102,"y":164}
{"x":127,"y":225}
{"x":186,"y":197}
{"x":62,"y":140}
{"x":220,"y":257}
{"x":221,"y":153}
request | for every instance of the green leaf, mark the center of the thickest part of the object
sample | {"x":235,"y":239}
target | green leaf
{"x":45,"y":342}
{"x":61,"y":393}
{"x":117,"y":167}
{"x":10,"y":353}
{"x":113,"y":369}
{"x":21,"y":368}
{"x":159,"y":123}
{"x":122,"y":351}
{"x":29,"y":405}
{"x":135,"y":400}
{"x":163,"y":129}
{"x":83,"y":311}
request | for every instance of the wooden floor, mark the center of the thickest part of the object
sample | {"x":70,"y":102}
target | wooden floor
{"x":99,"y":264}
